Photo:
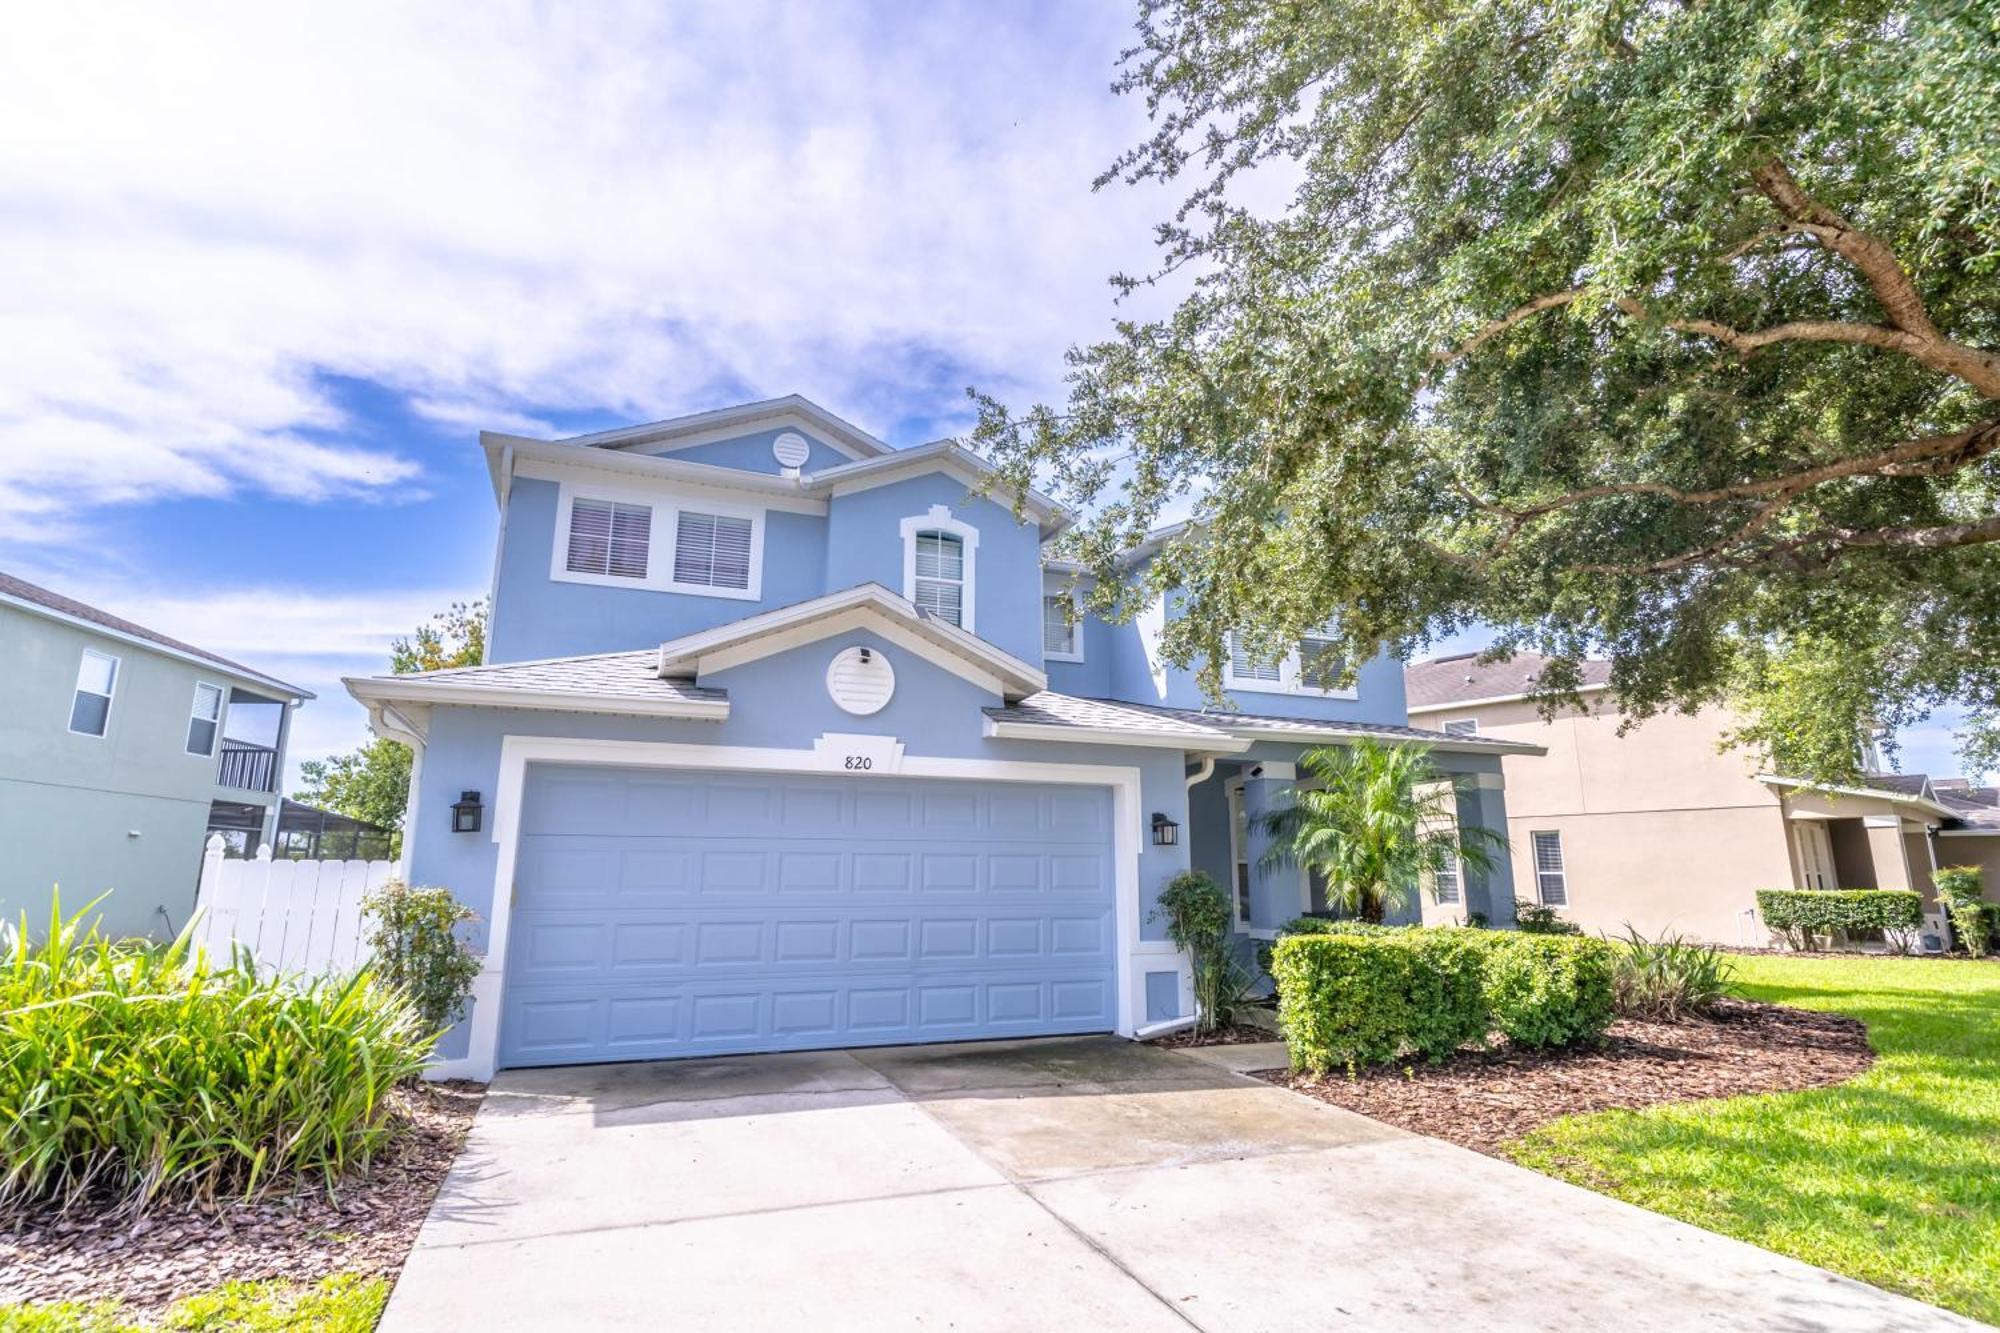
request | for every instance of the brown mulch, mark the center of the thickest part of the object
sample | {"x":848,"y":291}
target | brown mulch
{"x":367,"y":1227}
{"x":1236,"y":1034}
{"x":1482,"y":1099}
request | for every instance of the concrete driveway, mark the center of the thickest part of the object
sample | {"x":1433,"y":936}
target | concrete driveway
{"x":1073,"y":1183}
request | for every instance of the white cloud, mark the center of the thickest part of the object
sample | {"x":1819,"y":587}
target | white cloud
{"x":503,"y":210}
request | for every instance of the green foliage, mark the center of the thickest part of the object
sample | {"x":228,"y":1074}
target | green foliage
{"x":417,"y":946}
{"x":1661,"y":332}
{"x":372,"y":782}
{"x":1976,"y":924}
{"x":1378,"y":819}
{"x":1549,"y":990}
{"x":1957,"y":884}
{"x":1343,"y":1000}
{"x":1328,"y":925}
{"x":1198,"y":917}
{"x":1800,"y":916}
{"x":1892,"y":1178}
{"x":1670,"y":977}
{"x":1539,"y":919}
{"x":343,"y":1303}
{"x":131,"y":1072}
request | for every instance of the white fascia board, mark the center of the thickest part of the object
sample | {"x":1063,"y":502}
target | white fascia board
{"x":1873,"y":793}
{"x":725,"y":423}
{"x":695,"y":653}
{"x":1207,"y":741}
{"x":672,"y":476}
{"x":848,"y":621}
{"x":1459,"y":705}
{"x":1968,"y":832}
{"x":1337,"y":733}
{"x":960,"y":463}
{"x":370,"y":690}
{"x":208,"y":664}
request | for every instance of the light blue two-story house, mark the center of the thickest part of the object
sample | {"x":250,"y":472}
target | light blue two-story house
{"x":784,"y":741}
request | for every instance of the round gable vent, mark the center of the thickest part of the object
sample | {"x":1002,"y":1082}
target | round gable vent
{"x":791,"y":449}
{"x":860,"y":680}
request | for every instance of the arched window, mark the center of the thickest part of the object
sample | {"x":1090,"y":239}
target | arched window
{"x":938,"y":555}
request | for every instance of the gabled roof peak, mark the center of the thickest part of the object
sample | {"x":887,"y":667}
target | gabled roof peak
{"x":793,"y":408}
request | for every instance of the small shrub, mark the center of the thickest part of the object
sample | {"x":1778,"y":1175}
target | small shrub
{"x":417,"y":948}
{"x":1548,"y":990}
{"x":1352,"y":998}
{"x":1801,"y":916}
{"x":1198,"y":917}
{"x":1974,"y":920}
{"x":1330,"y":925}
{"x":1540,"y":919}
{"x":131,"y":1072}
{"x":1669,"y":978}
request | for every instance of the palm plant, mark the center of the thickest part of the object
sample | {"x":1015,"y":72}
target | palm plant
{"x":1372,"y":820}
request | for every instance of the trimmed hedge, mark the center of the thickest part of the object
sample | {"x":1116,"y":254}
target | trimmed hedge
{"x":1349,"y":998}
{"x":1799,"y":914}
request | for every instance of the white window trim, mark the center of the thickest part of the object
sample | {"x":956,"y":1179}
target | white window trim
{"x":939,"y":519}
{"x":1076,"y":629}
{"x":1288,"y":681}
{"x":221,"y":716}
{"x":666,"y":509}
{"x":1535,"y":865}
{"x":1450,"y":722}
{"x":110,"y":700}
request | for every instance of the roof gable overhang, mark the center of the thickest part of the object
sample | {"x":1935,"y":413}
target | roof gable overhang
{"x":1924,"y":803}
{"x":211,"y":665}
{"x":869,"y":606}
{"x":725,"y":423}
{"x":939,"y":456}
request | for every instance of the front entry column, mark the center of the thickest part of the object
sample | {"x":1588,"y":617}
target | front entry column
{"x":1274,"y":889}
{"x":1482,"y":803}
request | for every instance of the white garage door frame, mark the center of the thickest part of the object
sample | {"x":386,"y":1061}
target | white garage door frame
{"x":831,"y":753}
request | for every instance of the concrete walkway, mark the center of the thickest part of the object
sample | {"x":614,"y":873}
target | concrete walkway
{"x":1085,"y":1184}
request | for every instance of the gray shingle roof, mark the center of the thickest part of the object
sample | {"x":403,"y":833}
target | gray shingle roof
{"x":1902,"y":784}
{"x":35,"y":594}
{"x":626,"y":675}
{"x":1051,"y":709}
{"x":1456,"y":679}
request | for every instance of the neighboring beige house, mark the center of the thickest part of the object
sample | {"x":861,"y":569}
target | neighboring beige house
{"x":1662,"y":829}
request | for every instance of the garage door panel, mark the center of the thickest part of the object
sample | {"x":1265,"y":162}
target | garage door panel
{"x":870,"y":911}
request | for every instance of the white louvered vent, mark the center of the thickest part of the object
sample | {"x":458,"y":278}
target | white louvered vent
{"x":860,"y":680}
{"x":791,"y":449}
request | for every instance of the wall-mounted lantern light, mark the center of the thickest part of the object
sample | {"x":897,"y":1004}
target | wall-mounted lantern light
{"x":1165,"y":831}
{"x":465,"y":812}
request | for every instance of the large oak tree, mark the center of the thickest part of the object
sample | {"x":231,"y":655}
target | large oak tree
{"x":1660,"y":331}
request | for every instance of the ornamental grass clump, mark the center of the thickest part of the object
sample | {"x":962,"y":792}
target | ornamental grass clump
{"x":132,"y":1073}
{"x":1670,"y":978}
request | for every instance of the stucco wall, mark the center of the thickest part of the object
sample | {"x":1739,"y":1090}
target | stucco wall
{"x":1981,"y":851}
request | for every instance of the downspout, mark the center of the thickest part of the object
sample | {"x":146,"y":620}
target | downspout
{"x":1202,"y":774}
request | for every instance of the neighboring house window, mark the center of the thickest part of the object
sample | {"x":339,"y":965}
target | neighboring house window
{"x":609,"y":539}
{"x":1551,"y":881}
{"x":1462,"y":726}
{"x":1060,"y":634}
{"x":1445,"y":881}
{"x":1312,"y":667}
{"x":96,"y":682}
{"x":712,"y":550}
{"x":204,"y":719}
{"x":938,"y":556}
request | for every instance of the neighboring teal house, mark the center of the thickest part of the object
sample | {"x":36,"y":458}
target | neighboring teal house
{"x":784,"y":741}
{"x":120,"y":751}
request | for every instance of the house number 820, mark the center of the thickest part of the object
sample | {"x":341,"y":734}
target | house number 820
{"x":860,"y":763}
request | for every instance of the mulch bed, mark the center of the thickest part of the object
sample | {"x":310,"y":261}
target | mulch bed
{"x":1237,"y":1034}
{"x":1483,"y":1099}
{"x":175,"y":1251}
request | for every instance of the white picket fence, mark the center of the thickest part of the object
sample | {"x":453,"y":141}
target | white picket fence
{"x":295,"y":917}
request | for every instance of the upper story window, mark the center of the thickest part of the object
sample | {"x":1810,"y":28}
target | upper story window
{"x":609,"y":539}
{"x":204,"y":718}
{"x":1312,"y":667}
{"x":708,"y":549}
{"x":96,"y":682}
{"x":1062,"y":629}
{"x":712,"y":550}
{"x":1461,"y":726}
{"x":938,"y":556}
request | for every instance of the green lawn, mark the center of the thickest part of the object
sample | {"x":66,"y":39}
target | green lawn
{"x":344,"y":1303}
{"x":1893,"y":1178}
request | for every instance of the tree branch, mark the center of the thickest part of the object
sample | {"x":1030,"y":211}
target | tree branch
{"x":1492,"y":329}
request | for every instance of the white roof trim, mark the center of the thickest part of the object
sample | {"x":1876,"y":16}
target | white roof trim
{"x":1333,"y":731}
{"x":1414,"y":709}
{"x":731,"y":644}
{"x":212,"y":665}
{"x":1876,"y":793}
{"x":724,"y":423}
{"x":939,"y":455}
{"x":373,"y":690}
{"x":1208,"y":741}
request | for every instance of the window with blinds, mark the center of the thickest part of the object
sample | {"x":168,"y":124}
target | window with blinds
{"x":940,"y":580}
{"x":204,"y":719}
{"x":1319,"y":663}
{"x":1551,"y":881}
{"x":96,"y":682}
{"x":609,"y":538}
{"x":1462,"y":726}
{"x":1444,"y":886}
{"x":1058,"y":634}
{"x":1241,"y":667}
{"x":712,"y":550}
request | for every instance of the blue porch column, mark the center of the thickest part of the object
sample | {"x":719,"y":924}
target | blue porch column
{"x":1482,"y":803}
{"x":1274,"y":889}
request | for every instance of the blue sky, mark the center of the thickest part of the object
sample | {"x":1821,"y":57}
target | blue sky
{"x":265,"y":273}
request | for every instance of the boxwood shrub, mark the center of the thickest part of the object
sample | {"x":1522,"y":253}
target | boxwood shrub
{"x":1802,"y":915}
{"x":1348,"y":999}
